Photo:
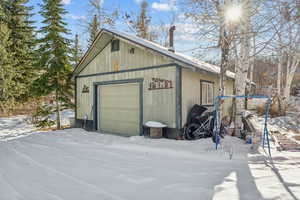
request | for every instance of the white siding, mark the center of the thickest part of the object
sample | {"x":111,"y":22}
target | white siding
{"x":108,"y":61}
{"x":159,"y":105}
{"x":191,"y":91}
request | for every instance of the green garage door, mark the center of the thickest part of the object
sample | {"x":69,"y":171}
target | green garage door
{"x":119,"y":108}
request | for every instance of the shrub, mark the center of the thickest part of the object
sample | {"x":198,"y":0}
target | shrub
{"x":42,"y":117}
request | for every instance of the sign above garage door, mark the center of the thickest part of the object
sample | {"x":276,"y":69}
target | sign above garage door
{"x":158,"y":83}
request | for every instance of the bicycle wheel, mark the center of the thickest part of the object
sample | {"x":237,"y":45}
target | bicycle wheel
{"x":189,"y":130}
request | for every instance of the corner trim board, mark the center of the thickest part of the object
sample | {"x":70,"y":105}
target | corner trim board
{"x":178,"y":107}
{"x":75,"y":99}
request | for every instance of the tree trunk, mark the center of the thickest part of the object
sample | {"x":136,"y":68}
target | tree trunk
{"x":291,"y":69}
{"x":242,"y":69}
{"x":2,"y":109}
{"x":279,"y":67}
{"x":58,"y":125}
{"x":252,"y":62}
{"x":225,"y":45}
{"x":224,"y":61}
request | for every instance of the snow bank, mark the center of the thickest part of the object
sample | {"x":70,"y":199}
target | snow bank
{"x":66,"y":115}
{"x":19,"y":126}
{"x":14,"y":127}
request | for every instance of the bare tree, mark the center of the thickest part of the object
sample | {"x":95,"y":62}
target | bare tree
{"x":140,"y":24}
{"x":243,"y":65}
{"x":287,"y":44}
{"x":105,"y":17}
{"x":215,"y":29}
{"x":93,"y":30}
{"x":97,"y":17}
{"x":161,"y":31}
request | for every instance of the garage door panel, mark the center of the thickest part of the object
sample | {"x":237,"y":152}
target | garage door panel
{"x":115,"y":102}
{"x":119,"y":127}
{"x":121,"y":115}
{"x":120,"y":108}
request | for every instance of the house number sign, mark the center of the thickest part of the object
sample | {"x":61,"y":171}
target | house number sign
{"x":157,"y":84}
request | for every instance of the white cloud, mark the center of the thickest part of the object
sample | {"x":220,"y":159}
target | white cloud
{"x":76,"y":17}
{"x":161,"y":6}
{"x":164,"y":5}
{"x":66,"y":1}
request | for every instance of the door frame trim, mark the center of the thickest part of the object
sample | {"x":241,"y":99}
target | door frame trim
{"x":124,"y":81}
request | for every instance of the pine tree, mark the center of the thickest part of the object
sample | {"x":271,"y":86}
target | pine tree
{"x":6,"y":70}
{"x":93,"y":30}
{"x":22,"y":44}
{"x":76,"y":51}
{"x":54,"y":58}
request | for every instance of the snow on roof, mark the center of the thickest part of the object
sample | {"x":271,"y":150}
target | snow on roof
{"x":188,"y":60}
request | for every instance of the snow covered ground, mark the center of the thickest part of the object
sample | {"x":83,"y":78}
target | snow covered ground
{"x":19,"y":126}
{"x":65,"y":116}
{"x":75,"y":164}
{"x":285,"y":125}
{"x":14,"y":127}
{"x":289,"y":124}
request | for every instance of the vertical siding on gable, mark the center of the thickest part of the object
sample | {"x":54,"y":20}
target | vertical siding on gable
{"x":105,"y":60}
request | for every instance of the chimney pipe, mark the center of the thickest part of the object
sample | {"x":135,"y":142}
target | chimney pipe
{"x":171,"y":38}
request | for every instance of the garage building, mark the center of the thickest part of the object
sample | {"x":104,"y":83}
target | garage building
{"x":124,"y":81}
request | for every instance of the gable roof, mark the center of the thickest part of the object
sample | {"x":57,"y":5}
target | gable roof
{"x":187,"y":61}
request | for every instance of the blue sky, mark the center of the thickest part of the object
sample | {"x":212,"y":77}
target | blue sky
{"x":160,"y":10}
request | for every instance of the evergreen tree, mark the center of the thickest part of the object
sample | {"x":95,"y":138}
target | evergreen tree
{"x":93,"y":30}
{"x":76,"y":51}
{"x":6,"y":70}
{"x":22,"y":43}
{"x":54,"y":59}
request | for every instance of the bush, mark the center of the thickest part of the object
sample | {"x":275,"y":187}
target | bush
{"x":42,"y":117}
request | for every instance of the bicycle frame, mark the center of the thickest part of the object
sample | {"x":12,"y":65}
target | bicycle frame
{"x":205,"y":126}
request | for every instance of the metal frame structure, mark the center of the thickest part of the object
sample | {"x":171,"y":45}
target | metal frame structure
{"x":217,"y":123}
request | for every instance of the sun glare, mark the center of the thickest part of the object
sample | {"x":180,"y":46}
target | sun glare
{"x":233,"y":13}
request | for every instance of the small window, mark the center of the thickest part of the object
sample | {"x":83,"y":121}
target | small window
{"x":131,"y":51}
{"x":207,"y":93}
{"x":115,"y":45}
